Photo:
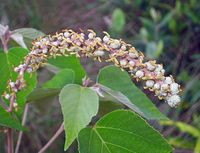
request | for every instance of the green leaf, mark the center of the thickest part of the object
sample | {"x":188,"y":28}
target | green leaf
{"x":118,"y":80}
{"x":2,"y":30}
{"x":166,"y":19}
{"x":118,"y":20}
{"x":183,"y":127}
{"x":197,"y":146}
{"x":7,"y":63}
{"x":79,"y":105}
{"x":28,"y":35}
{"x":116,"y":96}
{"x":181,"y":143}
{"x":122,"y":131}
{"x":18,"y":38}
{"x":40,"y":93}
{"x":8,"y":120}
{"x":65,"y":76}
{"x":70,"y":62}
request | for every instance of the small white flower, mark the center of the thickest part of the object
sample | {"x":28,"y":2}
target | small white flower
{"x":37,"y":43}
{"x":133,"y":55}
{"x":150,"y":67}
{"x":131,"y":63}
{"x":106,"y":39}
{"x":139,"y":74}
{"x":174,"y":87}
{"x":159,"y":68}
{"x":7,"y":96}
{"x":44,"y":50}
{"x":162,"y":71}
{"x":15,"y":105}
{"x":73,"y":49}
{"x":35,"y":51}
{"x":44,"y":40}
{"x":82,"y":35}
{"x":123,"y":62}
{"x":98,"y":39}
{"x":99,"y":53}
{"x":115,"y":44}
{"x":16,"y":69}
{"x":156,"y":86}
{"x":164,"y":87}
{"x":168,"y":80}
{"x":149,"y":83}
{"x":173,"y":100}
{"x":21,"y":66}
{"x":12,"y":84}
{"x":67,"y":34}
{"x":123,"y":47}
{"x":91,"y":35}
{"x":55,"y":43}
{"x":29,"y":70}
{"x":163,"y":93}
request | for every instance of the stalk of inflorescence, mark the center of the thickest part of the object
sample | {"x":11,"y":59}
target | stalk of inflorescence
{"x":9,"y":131}
{"x":107,"y":49}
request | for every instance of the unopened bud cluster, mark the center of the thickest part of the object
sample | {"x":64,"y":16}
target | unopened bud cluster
{"x":105,"y":49}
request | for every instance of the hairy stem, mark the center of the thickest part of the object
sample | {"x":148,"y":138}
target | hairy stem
{"x":10,"y":141}
{"x":21,"y":133}
{"x":10,"y":146}
{"x":55,"y":136}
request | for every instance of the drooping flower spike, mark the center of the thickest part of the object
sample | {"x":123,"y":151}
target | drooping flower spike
{"x":105,"y":49}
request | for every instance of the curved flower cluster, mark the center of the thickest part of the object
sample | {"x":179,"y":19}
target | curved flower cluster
{"x":105,"y":49}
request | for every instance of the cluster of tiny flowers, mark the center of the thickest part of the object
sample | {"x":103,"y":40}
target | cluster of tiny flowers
{"x":105,"y":49}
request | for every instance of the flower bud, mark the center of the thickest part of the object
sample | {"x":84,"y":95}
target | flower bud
{"x":115,"y":44}
{"x":123,"y":62}
{"x":150,"y":67}
{"x":139,"y":74}
{"x":168,"y":80}
{"x":131,"y":63}
{"x":133,"y":55}
{"x":106,"y":39}
{"x":156,"y":86}
{"x":173,"y":100}
{"x":164,"y":87}
{"x":174,"y":87}
{"x":123,"y":47}
{"x":149,"y":83}
{"x":12,"y":84}
{"x":44,"y":50}
{"x":16,"y":69}
{"x":67,"y":34}
{"x":15,"y":105}
{"x":91,"y":35}
{"x":99,"y":53}
{"x":7,"y":96}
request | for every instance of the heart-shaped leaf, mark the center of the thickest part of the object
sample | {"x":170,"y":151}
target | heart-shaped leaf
{"x":122,"y":131}
{"x":118,"y":80}
{"x":79,"y":105}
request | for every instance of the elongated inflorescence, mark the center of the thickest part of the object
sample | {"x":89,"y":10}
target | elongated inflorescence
{"x":105,"y":49}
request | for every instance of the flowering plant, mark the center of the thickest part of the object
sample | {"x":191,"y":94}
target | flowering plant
{"x":119,"y":131}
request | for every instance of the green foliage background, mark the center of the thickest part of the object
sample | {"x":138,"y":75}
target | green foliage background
{"x":168,"y":31}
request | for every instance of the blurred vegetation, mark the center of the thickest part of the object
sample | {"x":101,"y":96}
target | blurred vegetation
{"x":165,"y":30}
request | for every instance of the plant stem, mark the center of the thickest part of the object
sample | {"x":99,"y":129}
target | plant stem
{"x":55,"y":136}
{"x":10,"y":145}
{"x":10,"y":141}
{"x":21,"y":133}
